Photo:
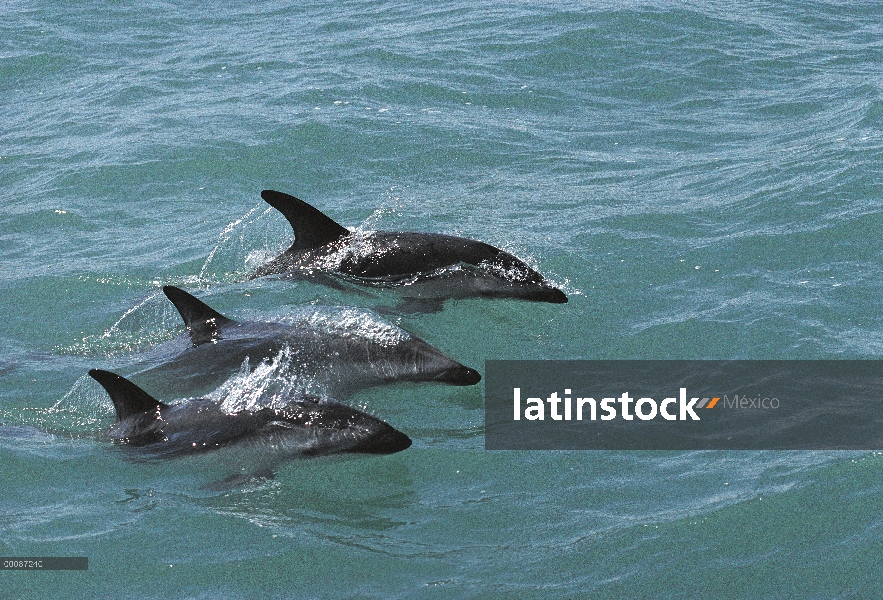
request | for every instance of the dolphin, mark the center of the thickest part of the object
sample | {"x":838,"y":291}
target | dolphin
{"x":458,"y":267}
{"x":300,"y":426}
{"x":339,"y":351}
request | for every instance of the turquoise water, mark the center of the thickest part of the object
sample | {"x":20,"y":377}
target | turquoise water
{"x":704,"y":180}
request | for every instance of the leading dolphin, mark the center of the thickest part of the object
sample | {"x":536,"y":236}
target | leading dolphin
{"x":459,"y":267}
{"x":302,"y":426}
{"x":340,"y":352}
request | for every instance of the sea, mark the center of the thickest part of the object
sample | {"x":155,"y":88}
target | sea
{"x":704,"y":180}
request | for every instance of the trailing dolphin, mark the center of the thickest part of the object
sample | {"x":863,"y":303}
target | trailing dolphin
{"x":339,"y":350}
{"x":458,"y":267}
{"x":302,"y":426}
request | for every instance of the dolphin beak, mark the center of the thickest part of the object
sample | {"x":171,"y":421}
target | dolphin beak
{"x":557,"y":297}
{"x":388,"y":442}
{"x":549,"y":294}
{"x":459,"y":375}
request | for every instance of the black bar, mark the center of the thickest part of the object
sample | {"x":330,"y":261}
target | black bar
{"x":44,"y":563}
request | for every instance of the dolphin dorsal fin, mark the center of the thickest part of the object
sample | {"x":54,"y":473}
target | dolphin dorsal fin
{"x":201,"y":320}
{"x":128,"y":398}
{"x":311,"y":227}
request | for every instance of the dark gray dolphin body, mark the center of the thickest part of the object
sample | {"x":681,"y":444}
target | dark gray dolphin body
{"x":432,"y":265}
{"x":340,"y":352}
{"x":305,"y":426}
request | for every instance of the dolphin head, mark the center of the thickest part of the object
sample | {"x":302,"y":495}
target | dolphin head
{"x":357,"y":431}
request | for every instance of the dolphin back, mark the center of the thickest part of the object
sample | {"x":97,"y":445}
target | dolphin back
{"x":202,"y":320}
{"x":128,"y":399}
{"x":312,"y":228}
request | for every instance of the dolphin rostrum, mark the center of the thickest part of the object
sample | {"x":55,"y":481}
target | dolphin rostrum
{"x":459,"y":267}
{"x":339,"y":350}
{"x":302,"y":426}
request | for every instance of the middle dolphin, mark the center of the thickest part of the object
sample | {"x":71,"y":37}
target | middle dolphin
{"x":339,"y":352}
{"x":432,"y":267}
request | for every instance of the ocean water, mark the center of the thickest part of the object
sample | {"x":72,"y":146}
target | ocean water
{"x":704,"y":180}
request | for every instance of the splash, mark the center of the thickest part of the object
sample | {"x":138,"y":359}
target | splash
{"x":81,"y":411}
{"x":348,"y":322}
{"x":372,"y":222}
{"x":234,"y":254}
{"x":151,"y":321}
{"x":271,"y":384}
